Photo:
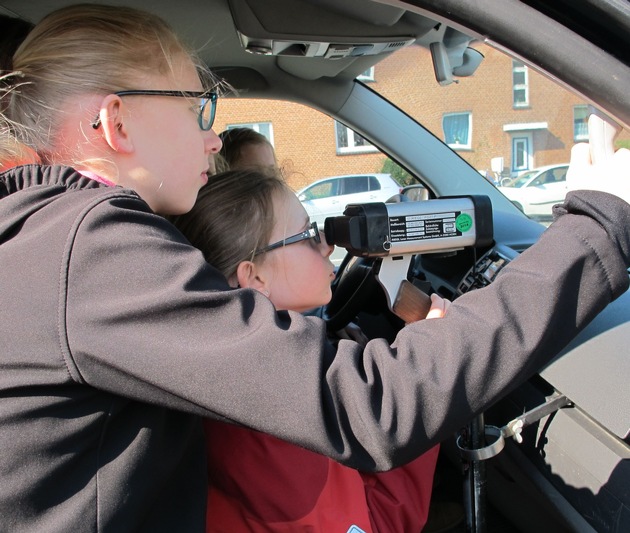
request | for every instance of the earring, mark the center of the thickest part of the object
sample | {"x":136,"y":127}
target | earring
{"x":266,"y":293}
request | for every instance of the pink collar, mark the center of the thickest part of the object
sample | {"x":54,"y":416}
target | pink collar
{"x":96,"y":177}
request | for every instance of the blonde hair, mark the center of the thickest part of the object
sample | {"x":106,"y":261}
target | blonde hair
{"x":85,"y":49}
{"x":233,"y":217}
{"x":12,"y":152}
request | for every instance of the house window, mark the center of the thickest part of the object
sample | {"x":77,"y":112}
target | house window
{"x":521,"y":152}
{"x":265,"y":128}
{"x":580,"y":123}
{"x":520,"y":88}
{"x":368,"y":75}
{"x":350,"y":142}
{"x":457,"y":130}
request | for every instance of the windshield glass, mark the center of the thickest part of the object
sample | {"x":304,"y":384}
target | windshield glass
{"x":506,"y":120}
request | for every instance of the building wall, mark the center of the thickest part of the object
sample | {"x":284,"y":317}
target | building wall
{"x":305,"y":140}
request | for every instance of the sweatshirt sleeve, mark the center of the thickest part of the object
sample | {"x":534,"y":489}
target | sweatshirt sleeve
{"x":148,"y":319}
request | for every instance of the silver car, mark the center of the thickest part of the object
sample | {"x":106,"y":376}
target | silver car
{"x":329,"y":197}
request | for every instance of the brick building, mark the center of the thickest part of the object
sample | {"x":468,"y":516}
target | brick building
{"x":505,"y":110}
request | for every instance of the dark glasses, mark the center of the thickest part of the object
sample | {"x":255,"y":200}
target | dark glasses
{"x":310,"y":233}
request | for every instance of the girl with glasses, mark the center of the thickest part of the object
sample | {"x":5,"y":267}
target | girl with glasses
{"x":117,"y":337}
{"x":100,"y":116}
{"x":253,"y":228}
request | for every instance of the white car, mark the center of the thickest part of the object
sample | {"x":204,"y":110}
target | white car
{"x":329,"y":197}
{"x":536,"y":191}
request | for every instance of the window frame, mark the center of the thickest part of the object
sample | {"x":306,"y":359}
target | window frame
{"x":351,"y":148}
{"x":367,"y":76}
{"x":583,"y":135}
{"x":518,"y":67}
{"x":459,"y":146}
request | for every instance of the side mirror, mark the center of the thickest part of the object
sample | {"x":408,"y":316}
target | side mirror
{"x":416,"y":193}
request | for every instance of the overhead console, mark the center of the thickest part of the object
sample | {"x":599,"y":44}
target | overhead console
{"x":352,"y":29}
{"x":261,"y":26}
{"x":324,"y":50}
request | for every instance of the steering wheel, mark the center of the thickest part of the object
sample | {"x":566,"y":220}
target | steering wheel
{"x":351,"y":289}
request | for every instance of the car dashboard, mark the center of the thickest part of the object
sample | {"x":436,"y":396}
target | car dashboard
{"x":579,"y":452}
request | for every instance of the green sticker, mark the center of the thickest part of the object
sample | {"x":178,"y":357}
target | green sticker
{"x":464,"y":222}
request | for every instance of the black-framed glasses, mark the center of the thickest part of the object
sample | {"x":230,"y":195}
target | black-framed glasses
{"x":207,"y":108}
{"x":311,"y":233}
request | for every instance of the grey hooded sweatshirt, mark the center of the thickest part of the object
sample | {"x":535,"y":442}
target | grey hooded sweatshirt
{"x":116,"y":337}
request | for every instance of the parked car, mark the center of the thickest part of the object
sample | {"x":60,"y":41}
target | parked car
{"x":329,"y":196}
{"x":536,"y":191}
{"x":571,"y":473}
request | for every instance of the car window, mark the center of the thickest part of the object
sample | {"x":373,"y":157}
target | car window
{"x":355,"y":184}
{"x":307,"y":155}
{"x":521,"y":181}
{"x":322,"y":190}
{"x":560,"y":174}
{"x":540,"y":180}
{"x":374,"y":184}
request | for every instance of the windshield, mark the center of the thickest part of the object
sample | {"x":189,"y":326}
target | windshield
{"x":506,"y":120}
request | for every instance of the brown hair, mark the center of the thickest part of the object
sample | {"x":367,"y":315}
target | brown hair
{"x":233,"y":216}
{"x":233,"y":141}
{"x":79,"y":50}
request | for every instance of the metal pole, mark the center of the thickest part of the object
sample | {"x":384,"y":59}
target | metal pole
{"x":475,"y":480}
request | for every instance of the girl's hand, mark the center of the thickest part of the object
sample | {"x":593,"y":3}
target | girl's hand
{"x":353,"y":332}
{"x":439,"y":306}
{"x":596,"y":165}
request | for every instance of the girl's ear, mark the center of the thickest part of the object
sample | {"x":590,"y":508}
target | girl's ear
{"x":250,"y":276}
{"x":115,"y":130}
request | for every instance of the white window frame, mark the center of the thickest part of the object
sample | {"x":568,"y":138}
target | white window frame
{"x":580,"y":136}
{"x":462,"y":145}
{"x":264,"y":128}
{"x":526,"y":139}
{"x":351,"y":148}
{"x":517,"y":66}
{"x":368,"y":75}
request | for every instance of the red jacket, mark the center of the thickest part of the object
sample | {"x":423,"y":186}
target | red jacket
{"x":261,"y":484}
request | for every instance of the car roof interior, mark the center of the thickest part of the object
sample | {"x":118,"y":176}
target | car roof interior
{"x":293,"y":49}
